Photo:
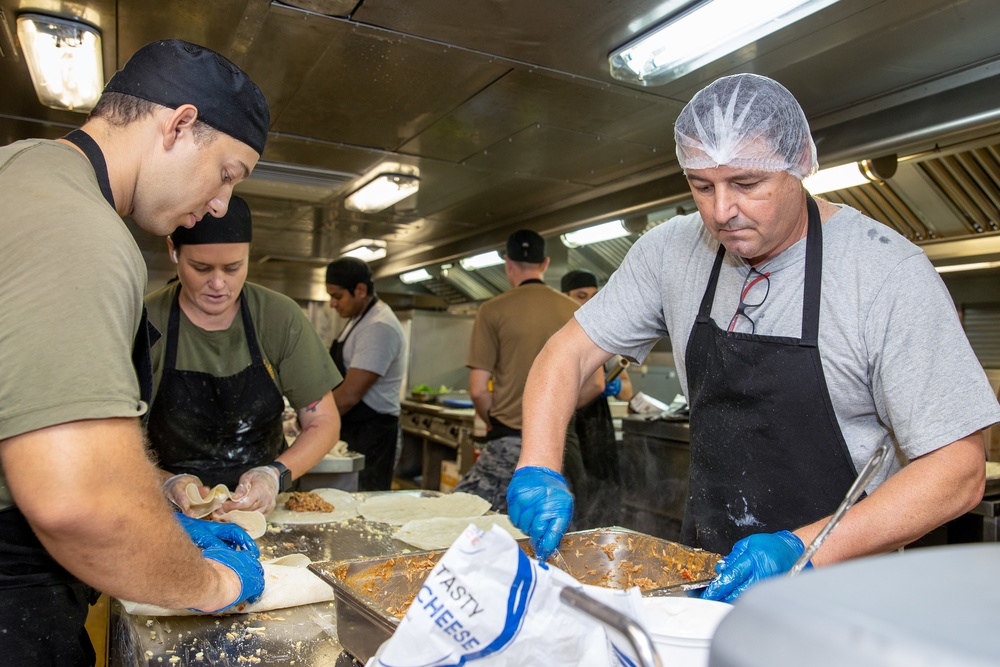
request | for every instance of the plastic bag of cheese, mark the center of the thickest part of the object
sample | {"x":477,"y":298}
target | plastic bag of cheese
{"x":486,"y":603}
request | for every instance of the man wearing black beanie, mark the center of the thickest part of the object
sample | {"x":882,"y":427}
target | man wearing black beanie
{"x":80,"y":505}
{"x":368,"y":352}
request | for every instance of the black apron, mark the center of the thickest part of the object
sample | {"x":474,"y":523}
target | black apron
{"x":216,"y":428}
{"x":43,"y":606}
{"x":601,"y":506}
{"x":366,"y":431}
{"x":767,"y":453}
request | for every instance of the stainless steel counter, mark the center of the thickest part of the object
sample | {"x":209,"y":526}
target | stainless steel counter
{"x":302,"y":636}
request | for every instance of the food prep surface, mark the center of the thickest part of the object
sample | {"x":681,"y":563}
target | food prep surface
{"x":301,"y":636}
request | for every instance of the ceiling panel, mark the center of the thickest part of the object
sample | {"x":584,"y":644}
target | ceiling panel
{"x":509,"y":113}
{"x":558,"y":154}
{"x":519,"y":99}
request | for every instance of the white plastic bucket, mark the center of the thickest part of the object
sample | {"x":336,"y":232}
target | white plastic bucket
{"x":682,"y":628}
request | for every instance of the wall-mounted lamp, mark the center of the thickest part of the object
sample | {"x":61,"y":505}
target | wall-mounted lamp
{"x":64,"y":60}
{"x":603,"y":232}
{"x":367,"y":250}
{"x":481,"y":261}
{"x":851,"y":175}
{"x":706,"y":32}
{"x":413,"y":277}
{"x":382,"y":192}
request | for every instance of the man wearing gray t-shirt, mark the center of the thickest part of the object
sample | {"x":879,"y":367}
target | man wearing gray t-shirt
{"x":802,"y":336}
{"x":368,"y":352}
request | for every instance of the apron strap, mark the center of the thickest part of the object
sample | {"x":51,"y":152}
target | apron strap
{"x":813,"y":277}
{"x":86,"y":143}
{"x":705,"y":311}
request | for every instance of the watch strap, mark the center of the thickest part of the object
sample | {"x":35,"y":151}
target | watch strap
{"x":284,"y":476}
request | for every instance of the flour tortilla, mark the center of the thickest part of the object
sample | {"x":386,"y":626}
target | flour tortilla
{"x":345,"y":506}
{"x":253,"y":522}
{"x":398,"y":508}
{"x":440,"y":533}
{"x":287,"y":583}
{"x":201,"y":507}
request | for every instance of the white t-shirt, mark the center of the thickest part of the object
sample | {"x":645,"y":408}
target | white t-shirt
{"x":897,"y":363}
{"x":375,"y":344}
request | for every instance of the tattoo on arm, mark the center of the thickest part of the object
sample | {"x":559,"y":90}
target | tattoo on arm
{"x":311,"y":407}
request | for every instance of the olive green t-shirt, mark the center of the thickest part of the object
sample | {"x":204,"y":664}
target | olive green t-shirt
{"x":302,"y":368}
{"x":71,"y":285}
{"x":509,"y":332}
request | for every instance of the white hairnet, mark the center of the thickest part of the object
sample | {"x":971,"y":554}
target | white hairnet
{"x":746,"y":121}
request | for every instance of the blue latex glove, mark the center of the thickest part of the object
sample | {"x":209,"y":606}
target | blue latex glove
{"x":754,"y":559}
{"x":540,"y":504}
{"x":247,"y":568}
{"x":613,"y":388}
{"x":230,"y":545}
{"x":206,"y":534}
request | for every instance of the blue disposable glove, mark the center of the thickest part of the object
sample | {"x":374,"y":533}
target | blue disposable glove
{"x":540,"y":504}
{"x":247,"y":568}
{"x":612,"y":389}
{"x":230,"y":545}
{"x":206,"y":534}
{"x":753,"y":559}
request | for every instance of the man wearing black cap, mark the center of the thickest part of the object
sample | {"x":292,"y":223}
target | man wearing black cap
{"x":368,"y":351}
{"x":80,"y":505}
{"x":509,"y":331}
{"x":231,"y":351}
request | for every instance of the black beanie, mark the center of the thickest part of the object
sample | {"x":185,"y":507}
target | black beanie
{"x":576,"y":279}
{"x":172,"y":72}
{"x":234,"y":227}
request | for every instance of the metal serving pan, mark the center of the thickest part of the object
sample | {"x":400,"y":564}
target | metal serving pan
{"x":372,"y":595}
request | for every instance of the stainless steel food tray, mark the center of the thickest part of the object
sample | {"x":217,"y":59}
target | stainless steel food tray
{"x":371,"y":595}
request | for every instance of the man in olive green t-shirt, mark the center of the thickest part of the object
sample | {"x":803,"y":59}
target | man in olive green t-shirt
{"x":80,"y":503}
{"x":509,"y":332}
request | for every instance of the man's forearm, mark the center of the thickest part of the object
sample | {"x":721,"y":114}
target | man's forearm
{"x":93,"y":498}
{"x":568,"y":362}
{"x":927,"y":493}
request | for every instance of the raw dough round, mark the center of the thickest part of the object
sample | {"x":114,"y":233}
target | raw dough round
{"x":398,"y":508}
{"x":440,"y":533}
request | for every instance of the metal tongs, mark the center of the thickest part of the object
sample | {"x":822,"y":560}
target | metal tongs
{"x":865,"y":476}
{"x":637,"y":636}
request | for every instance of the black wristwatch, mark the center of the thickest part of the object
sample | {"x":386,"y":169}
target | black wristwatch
{"x":284,"y":476}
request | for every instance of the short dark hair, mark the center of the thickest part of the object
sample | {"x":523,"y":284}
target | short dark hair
{"x":121,"y":110}
{"x":349,"y":272}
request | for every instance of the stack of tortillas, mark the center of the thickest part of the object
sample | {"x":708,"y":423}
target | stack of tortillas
{"x":252,"y":522}
{"x":433,"y":522}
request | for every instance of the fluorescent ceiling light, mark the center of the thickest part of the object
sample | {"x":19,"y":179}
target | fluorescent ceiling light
{"x":836,"y":178}
{"x":707,"y":32}
{"x":604,"y":232}
{"x":64,"y":60}
{"x":481,"y":261}
{"x":418,"y":276}
{"x":382,"y":192}
{"x":367,"y":250}
{"x":974,"y":266}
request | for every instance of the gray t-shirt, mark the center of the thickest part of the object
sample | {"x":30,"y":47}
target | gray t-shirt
{"x":375,"y":343}
{"x":897,"y":363}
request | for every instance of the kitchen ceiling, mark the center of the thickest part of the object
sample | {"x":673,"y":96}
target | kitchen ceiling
{"x":508,"y":111}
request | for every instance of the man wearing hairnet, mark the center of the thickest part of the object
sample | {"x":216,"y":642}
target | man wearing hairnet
{"x":805,"y":336}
